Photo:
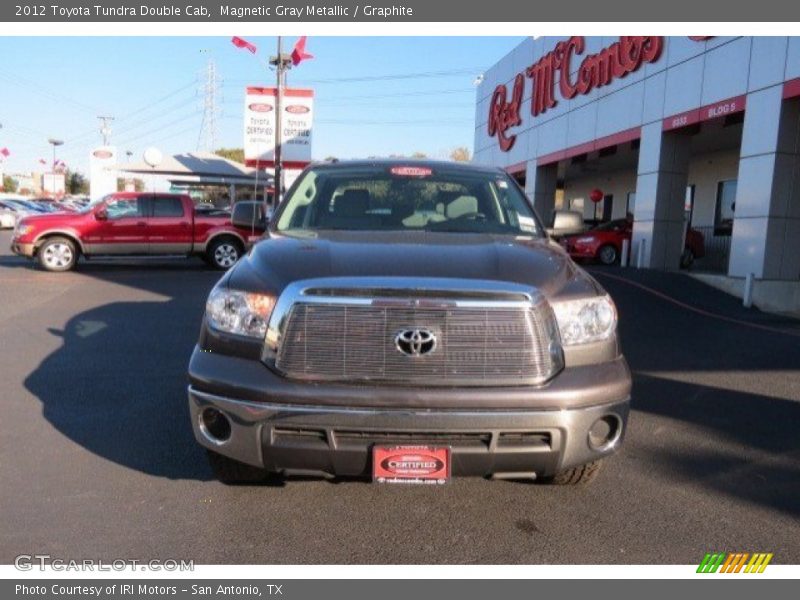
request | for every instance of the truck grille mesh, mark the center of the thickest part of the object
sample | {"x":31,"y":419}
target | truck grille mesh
{"x":475,"y":346}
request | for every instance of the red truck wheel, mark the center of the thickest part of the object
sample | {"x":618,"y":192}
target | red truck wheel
{"x":224,"y":252}
{"x":57,"y":254}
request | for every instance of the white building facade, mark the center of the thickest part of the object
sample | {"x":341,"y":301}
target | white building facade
{"x":677,"y":131}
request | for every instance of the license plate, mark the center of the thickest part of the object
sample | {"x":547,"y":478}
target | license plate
{"x":410,"y":464}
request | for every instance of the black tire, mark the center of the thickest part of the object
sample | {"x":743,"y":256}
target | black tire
{"x":608,"y":254}
{"x":57,"y":254}
{"x":687,"y":258}
{"x":231,"y":471}
{"x":223,"y":252}
{"x":577,"y":475}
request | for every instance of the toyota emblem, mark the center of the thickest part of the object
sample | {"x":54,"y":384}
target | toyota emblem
{"x":415,"y":341}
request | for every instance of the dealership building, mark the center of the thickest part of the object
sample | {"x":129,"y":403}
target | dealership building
{"x":675,"y":131}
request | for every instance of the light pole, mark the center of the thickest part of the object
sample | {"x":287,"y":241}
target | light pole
{"x":55,"y":143}
{"x":281,"y":62}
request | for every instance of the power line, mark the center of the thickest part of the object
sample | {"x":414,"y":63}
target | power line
{"x":368,"y":78}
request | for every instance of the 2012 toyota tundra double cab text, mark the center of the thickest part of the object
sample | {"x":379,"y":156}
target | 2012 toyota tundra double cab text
{"x":130,"y":224}
{"x":408,"y":322}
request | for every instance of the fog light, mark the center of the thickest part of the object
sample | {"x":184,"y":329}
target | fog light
{"x":604,"y":432}
{"x":215,"y":425}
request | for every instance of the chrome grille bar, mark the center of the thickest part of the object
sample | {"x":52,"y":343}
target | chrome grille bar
{"x":511,"y":340}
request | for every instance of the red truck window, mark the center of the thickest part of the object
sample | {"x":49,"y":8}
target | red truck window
{"x":120,"y":208}
{"x":167,"y":206}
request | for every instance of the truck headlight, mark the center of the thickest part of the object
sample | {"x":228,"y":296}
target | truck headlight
{"x":586,"y":320}
{"x":239,"y":313}
{"x":22,"y":229}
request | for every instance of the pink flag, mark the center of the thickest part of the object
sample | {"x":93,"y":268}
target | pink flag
{"x":5,"y":152}
{"x":42,"y":161}
{"x":242,"y":43}
{"x":299,"y":53}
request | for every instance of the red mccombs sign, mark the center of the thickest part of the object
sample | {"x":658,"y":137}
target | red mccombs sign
{"x":596,"y":70}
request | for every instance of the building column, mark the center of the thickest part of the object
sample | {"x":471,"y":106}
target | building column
{"x":540,"y":186}
{"x":766,"y":224}
{"x":662,"y":177}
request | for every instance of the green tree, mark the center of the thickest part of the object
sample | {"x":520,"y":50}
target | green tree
{"x":234,"y":154}
{"x":76,"y":183}
{"x":9,"y":184}
{"x":418,"y":154}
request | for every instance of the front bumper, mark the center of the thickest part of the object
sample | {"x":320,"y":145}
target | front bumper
{"x":328,"y":429}
{"x":23,"y":249}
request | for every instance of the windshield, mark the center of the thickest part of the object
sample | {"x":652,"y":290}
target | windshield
{"x":407,"y":198}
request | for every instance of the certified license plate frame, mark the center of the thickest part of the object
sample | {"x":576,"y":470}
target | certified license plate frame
{"x":412,"y":464}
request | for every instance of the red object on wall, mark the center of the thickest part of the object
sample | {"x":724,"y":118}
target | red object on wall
{"x":596,"y":195}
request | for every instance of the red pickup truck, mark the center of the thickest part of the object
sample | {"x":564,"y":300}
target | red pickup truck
{"x":131,"y":224}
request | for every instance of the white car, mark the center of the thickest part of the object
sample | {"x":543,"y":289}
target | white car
{"x":11,"y":212}
{"x":7,"y":219}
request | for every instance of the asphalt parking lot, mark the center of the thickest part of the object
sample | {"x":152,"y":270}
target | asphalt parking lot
{"x":97,"y":458}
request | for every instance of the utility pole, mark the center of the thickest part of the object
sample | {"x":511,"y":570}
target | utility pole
{"x":105,"y":128}
{"x":282,"y":63}
{"x":210,"y":90}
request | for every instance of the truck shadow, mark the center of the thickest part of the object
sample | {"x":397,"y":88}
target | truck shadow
{"x":117,"y":384}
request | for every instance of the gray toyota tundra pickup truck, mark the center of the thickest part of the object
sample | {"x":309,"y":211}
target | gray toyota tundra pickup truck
{"x":407,"y":321}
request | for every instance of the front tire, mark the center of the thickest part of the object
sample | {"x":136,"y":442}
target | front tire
{"x":223,"y":253}
{"x":57,"y":254}
{"x":608,"y":254}
{"x":577,"y":475}
{"x":233,"y":472}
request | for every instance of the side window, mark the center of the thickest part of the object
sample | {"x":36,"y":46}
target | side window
{"x":726,"y":205}
{"x":167,"y":206}
{"x":120,"y":208}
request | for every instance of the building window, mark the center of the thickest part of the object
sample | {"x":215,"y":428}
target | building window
{"x":630,"y":204}
{"x":576,"y":204}
{"x":726,"y":205}
{"x":688,"y":204}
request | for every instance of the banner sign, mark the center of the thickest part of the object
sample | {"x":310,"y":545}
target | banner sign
{"x":102,"y":181}
{"x":53,"y":184}
{"x":259,"y":127}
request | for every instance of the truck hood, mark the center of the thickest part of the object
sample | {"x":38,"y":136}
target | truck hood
{"x":53,"y":219}
{"x":280,"y":259}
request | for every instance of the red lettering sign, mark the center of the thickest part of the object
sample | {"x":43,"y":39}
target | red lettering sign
{"x":504,"y":114}
{"x":596,"y":70}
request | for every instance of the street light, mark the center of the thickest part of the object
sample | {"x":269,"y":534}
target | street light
{"x":55,"y":143}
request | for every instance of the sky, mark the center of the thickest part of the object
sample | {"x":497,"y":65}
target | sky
{"x":373,"y":96}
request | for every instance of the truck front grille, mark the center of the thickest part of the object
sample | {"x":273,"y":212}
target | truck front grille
{"x":475,"y":345}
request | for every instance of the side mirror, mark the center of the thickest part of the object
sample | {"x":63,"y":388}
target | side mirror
{"x":101,"y":214}
{"x":249,"y":215}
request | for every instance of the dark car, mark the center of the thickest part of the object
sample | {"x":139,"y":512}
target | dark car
{"x":408,"y":321}
{"x":604,"y":243}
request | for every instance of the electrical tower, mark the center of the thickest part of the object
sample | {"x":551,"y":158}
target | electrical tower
{"x":105,"y":128}
{"x":207,"y":139}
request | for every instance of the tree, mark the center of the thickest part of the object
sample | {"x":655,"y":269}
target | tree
{"x":418,"y":154}
{"x":76,"y":183}
{"x":9,"y":184}
{"x":234,"y":154}
{"x":460,"y":154}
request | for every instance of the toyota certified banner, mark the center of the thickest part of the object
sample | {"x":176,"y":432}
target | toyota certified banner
{"x":296,"y":126}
